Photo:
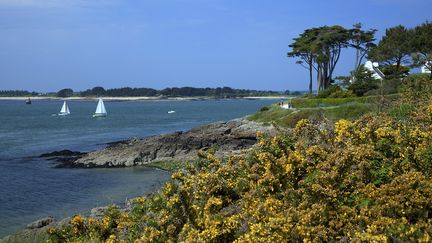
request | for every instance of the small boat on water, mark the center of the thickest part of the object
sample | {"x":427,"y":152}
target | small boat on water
{"x":170,"y":112}
{"x":28,"y":101}
{"x":64,"y":110}
{"x":100,"y":109}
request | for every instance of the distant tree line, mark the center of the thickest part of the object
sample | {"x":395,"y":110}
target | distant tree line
{"x":318,"y":50}
{"x":15,"y":93}
{"x":220,"y":92}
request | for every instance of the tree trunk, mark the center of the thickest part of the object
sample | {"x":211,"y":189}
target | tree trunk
{"x":325,"y":76}
{"x":319,"y":75}
{"x":396,"y":74}
{"x":310,"y":78}
{"x":357,"y":59}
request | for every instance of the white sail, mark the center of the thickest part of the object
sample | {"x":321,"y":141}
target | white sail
{"x":65,"y":109}
{"x":100,"y":109}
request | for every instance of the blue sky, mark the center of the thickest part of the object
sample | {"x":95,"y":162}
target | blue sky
{"x":47,"y":45}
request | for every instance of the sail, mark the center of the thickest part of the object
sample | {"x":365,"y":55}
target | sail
{"x":100,"y":109}
{"x":65,"y":109}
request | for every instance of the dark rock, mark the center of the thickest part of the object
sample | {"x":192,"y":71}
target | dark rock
{"x":40,"y":223}
{"x":65,"y":158}
{"x":61,"y":153}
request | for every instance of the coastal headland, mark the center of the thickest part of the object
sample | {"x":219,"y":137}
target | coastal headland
{"x":223,"y":137}
{"x":226,"y":138}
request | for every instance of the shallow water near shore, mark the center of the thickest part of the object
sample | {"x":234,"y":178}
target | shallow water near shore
{"x":30,"y":188}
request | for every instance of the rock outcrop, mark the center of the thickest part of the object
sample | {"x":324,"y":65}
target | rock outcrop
{"x":224,"y":137}
{"x":41,"y":223}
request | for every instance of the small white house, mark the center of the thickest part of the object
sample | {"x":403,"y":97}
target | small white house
{"x":425,"y":70}
{"x":373,"y":67}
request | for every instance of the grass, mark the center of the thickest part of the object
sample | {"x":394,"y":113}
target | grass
{"x":327,"y":102}
{"x":332,"y":109}
{"x":273,"y":114}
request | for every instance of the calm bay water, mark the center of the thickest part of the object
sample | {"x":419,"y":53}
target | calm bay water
{"x":30,"y":188}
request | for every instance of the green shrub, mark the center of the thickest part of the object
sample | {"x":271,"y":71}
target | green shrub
{"x":364,"y":82}
{"x":265,"y":108}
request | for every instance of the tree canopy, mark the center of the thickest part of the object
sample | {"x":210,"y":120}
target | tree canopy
{"x":320,"y":49}
{"x":65,"y":93}
{"x":421,"y":45}
{"x":394,"y":48}
{"x":362,"y":41}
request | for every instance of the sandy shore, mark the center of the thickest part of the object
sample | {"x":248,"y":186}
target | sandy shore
{"x":138,"y":98}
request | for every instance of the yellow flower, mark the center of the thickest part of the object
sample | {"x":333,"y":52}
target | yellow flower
{"x":77,"y":220}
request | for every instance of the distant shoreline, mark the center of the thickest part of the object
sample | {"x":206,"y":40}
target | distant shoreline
{"x":144,"y":98}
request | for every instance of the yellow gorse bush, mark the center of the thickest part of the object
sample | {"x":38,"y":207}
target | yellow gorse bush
{"x":363,"y":180}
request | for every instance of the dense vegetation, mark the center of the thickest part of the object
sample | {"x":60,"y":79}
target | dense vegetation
{"x":318,"y":50}
{"x":363,"y":180}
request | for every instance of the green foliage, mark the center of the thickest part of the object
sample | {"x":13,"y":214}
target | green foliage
{"x":386,"y":87}
{"x":320,"y":48}
{"x":421,"y":45}
{"x":326,"y":102}
{"x":393,"y":48}
{"x":394,"y":72}
{"x":362,"y":42}
{"x":363,"y":82}
{"x":334,"y":91}
{"x":411,"y":78}
{"x":65,"y":93}
{"x":265,"y":108}
{"x":401,"y":112}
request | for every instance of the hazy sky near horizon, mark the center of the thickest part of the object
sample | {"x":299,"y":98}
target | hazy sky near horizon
{"x":47,"y":45}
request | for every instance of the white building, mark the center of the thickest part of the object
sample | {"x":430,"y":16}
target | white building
{"x":425,"y":70}
{"x":373,"y":67}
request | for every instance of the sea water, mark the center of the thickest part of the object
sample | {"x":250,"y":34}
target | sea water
{"x":31,"y":188}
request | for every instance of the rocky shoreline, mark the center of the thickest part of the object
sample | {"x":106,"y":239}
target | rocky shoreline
{"x":224,"y":137}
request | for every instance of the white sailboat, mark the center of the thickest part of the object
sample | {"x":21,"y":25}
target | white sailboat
{"x":64,"y":110}
{"x":100,"y":109}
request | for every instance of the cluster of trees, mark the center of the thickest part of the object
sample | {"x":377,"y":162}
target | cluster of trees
{"x":318,"y":50}
{"x":16,"y":93}
{"x":224,"y":92}
{"x":403,"y":46}
{"x":65,"y":92}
